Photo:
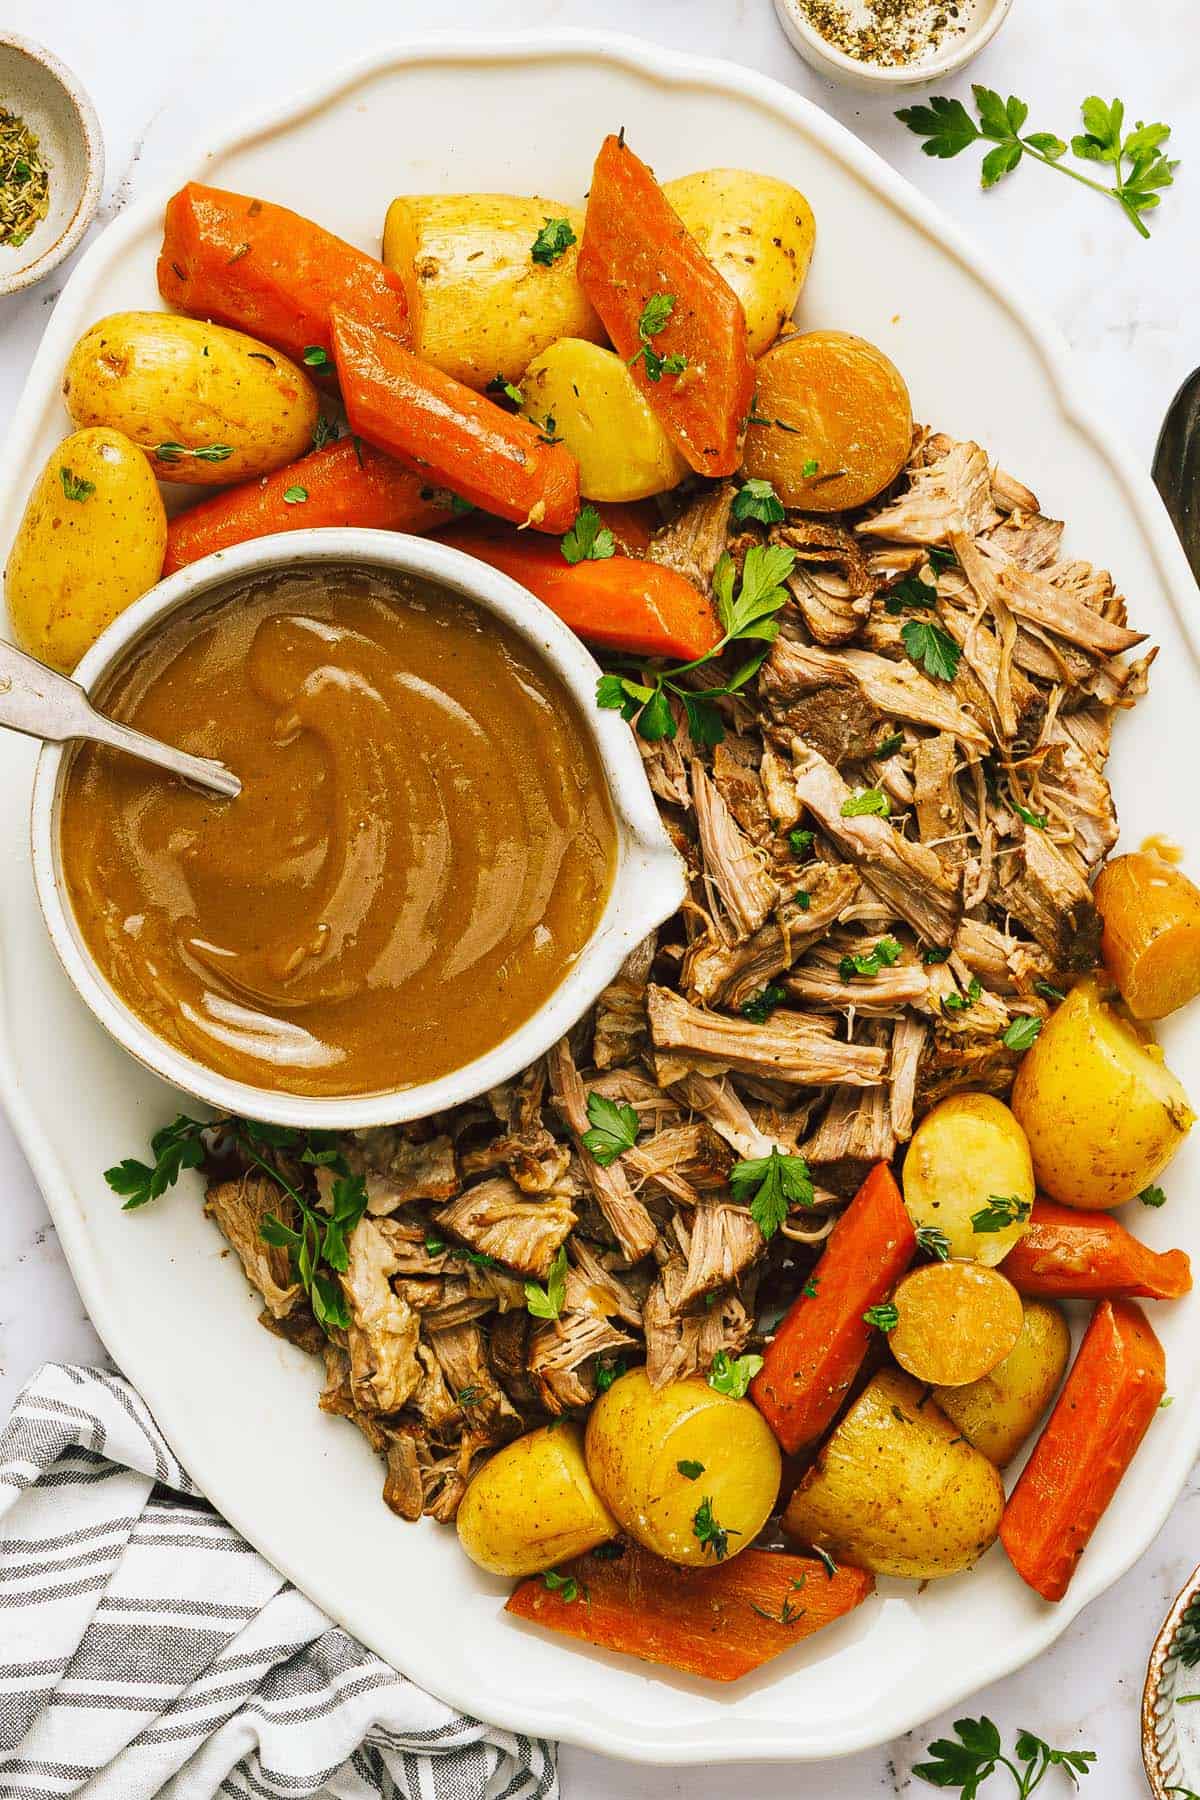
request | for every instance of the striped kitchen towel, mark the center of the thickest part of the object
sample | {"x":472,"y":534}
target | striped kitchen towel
{"x":146,"y":1649}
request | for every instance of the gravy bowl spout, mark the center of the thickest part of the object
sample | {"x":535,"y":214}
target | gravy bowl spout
{"x":226,"y":952}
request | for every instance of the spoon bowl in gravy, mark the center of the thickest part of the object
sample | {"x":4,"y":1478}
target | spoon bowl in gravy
{"x":442,"y":852}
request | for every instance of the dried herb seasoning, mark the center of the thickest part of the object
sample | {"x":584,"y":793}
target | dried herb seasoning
{"x":24,"y":181}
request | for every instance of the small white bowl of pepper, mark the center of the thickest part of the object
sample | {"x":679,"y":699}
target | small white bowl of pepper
{"x":874,"y":44}
{"x":51,"y":162}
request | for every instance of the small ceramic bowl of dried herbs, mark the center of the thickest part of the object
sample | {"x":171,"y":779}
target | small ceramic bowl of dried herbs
{"x":890,"y":44}
{"x":51,"y":162}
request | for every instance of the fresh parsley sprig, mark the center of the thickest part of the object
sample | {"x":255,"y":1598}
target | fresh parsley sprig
{"x":552,"y":241}
{"x":773,"y":1185}
{"x":655,"y":314}
{"x":756,"y":499}
{"x":747,"y":616}
{"x":614,"y":1128}
{"x":966,"y":1763}
{"x":1022,"y":1032}
{"x":547,"y":1302}
{"x":175,"y":1147}
{"x":759,"y":1007}
{"x":74,"y":486}
{"x":1137,"y":159}
{"x":883,"y":955}
{"x":588,"y":540}
{"x":732,"y":1375}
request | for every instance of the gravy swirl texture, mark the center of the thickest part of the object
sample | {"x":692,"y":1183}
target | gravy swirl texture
{"x":422,"y":847}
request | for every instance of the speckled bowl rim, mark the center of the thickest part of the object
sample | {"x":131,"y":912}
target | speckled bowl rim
{"x":1160,"y":1735}
{"x":93,"y":155}
{"x":835,"y":65}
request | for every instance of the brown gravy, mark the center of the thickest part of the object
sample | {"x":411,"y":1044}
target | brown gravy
{"x":422,"y":847}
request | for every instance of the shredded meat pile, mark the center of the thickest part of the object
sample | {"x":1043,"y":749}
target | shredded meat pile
{"x":998,"y":813}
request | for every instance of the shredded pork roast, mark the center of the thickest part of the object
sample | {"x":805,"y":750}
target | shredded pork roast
{"x":977,"y":874}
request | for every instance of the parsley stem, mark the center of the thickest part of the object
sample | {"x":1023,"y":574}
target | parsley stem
{"x":1114,"y":193}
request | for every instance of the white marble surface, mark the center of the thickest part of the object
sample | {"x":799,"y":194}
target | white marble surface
{"x":159,"y":76}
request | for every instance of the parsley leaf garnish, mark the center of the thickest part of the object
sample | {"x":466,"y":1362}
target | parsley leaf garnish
{"x":908,"y":593}
{"x":565,"y":1586}
{"x":74,"y":486}
{"x":932,"y":648}
{"x":588,"y":540}
{"x":175,"y":1147}
{"x":1048,"y":991}
{"x":800,"y":841}
{"x":865,"y":801}
{"x":1152,"y":1196}
{"x":761,"y":1005}
{"x":503,"y":389}
{"x":974,"y":1753}
{"x":885,"y":1318}
{"x":295,"y":495}
{"x":757,"y":499}
{"x":885,"y":954}
{"x":936,"y":953}
{"x":732,"y":1375}
{"x":1138,"y":160}
{"x":614,"y":1128}
{"x":173,"y":453}
{"x":772,"y":1184}
{"x":547,"y":1302}
{"x":1001,"y":1211}
{"x":552,"y":241}
{"x":691,"y":1471}
{"x":956,"y":1003}
{"x":933,"y":1242}
{"x":712,"y":1536}
{"x":608,"y":1372}
{"x":655,"y":314}
{"x":1022,"y":1032}
{"x":315,"y":357}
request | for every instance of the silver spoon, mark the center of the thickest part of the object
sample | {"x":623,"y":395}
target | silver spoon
{"x":44,"y":704}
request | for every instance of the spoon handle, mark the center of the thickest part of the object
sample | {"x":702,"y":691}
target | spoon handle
{"x":44,"y":704}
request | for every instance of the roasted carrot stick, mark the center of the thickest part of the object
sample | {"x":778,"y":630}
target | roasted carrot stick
{"x":620,"y":603}
{"x":343,"y":484}
{"x":821,"y":1341}
{"x":1072,"y":1255}
{"x":450,"y":434}
{"x":632,"y":523}
{"x":720,"y":1623}
{"x":268,"y":271}
{"x":1109,"y":1399}
{"x":638,"y":254}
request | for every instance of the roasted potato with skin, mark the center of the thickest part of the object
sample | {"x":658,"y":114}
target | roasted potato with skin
{"x":206,"y":404}
{"x":965,"y":1153}
{"x":484,"y":306}
{"x":1102,"y":1112}
{"x":758,"y":233}
{"x":957,"y":1320}
{"x":604,"y":420}
{"x":637,"y":1438}
{"x":998,"y":1412}
{"x":897,"y":1489}
{"x":533,"y":1505}
{"x":91,"y":541}
{"x":832,"y":422}
{"x":1151,"y":942}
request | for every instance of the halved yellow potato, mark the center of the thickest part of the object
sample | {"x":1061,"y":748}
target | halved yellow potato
{"x":586,"y":396}
{"x":1101,"y":1110}
{"x":758,"y":233}
{"x":998,"y":1412}
{"x":969,"y":1160}
{"x":690,"y":1473}
{"x":897,"y":1488}
{"x":533,"y":1505}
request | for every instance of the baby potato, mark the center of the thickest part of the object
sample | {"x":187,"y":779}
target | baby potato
{"x":533,"y":1505}
{"x":485,"y":306}
{"x":91,"y":541}
{"x":957,"y":1320}
{"x":601,"y":415}
{"x":660,"y":1456}
{"x":1102,"y":1112}
{"x":1151,"y":942}
{"x":838,"y":421}
{"x":897,"y":1489}
{"x":998,"y":1412}
{"x":968,"y":1157}
{"x":758,"y":233}
{"x":206,"y":404}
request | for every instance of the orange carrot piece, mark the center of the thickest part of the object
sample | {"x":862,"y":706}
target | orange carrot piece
{"x":343,"y":484}
{"x":268,"y":271}
{"x":820,"y":1343}
{"x":1089,"y":1440}
{"x":619,"y":603}
{"x":632,"y":523}
{"x":453,"y":436}
{"x":636,"y":247}
{"x":1072,"y":1255}
{"x":701,"y":1621}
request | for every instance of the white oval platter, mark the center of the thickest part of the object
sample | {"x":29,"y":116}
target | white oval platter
{"x":526,"y":114}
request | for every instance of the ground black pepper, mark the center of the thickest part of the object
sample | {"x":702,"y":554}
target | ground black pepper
{"x":890,"y":32}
